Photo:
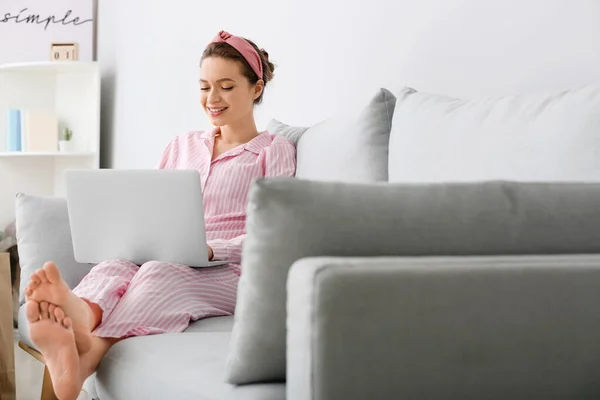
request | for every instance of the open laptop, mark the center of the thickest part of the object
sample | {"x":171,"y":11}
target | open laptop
{"x":137,"y":215}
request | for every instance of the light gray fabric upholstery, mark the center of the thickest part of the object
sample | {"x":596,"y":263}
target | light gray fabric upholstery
{"x":289,"y":219}
{"x":182,"y":366}
{"x":523,"y":327}
{"x":44,"y":234}
{"x":345,"y":148}
{"x":551,"y":136}
{"x":293,"y":133}
{"x":144,"y":362}
{"x":213,"y":324}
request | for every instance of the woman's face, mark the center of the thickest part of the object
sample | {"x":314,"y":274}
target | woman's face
{"x":225,"y":94}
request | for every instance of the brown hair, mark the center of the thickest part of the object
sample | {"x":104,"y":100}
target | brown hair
{"x":224,"y":50}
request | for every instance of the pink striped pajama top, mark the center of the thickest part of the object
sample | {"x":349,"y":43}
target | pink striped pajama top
{"x":160,"y":297}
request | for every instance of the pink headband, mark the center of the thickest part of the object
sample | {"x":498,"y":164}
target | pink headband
{"x":245,"y":49}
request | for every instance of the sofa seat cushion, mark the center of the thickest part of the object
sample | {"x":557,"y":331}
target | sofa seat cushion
{"x":189,"y":365}
{"x":214,"y":324}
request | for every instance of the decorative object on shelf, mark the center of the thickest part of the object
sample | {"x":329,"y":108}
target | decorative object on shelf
{"x":65,"y":144}
{"x":39,"y":131}
{"x":13,"y":137}
{"x":64,"y":52}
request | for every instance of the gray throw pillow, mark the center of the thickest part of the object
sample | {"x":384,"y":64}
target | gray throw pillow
{"x":44,"y":234}
{"x":345,"y":149}
{"x":293,"y":133}
{"x":289,"y":219}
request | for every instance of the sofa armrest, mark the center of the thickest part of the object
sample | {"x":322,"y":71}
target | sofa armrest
{"x":454,"y":327}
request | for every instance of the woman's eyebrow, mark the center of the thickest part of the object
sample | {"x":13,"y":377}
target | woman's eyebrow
{"x":219,"y":80}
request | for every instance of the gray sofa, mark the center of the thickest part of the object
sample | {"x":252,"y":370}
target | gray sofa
{"x":428,"y":248}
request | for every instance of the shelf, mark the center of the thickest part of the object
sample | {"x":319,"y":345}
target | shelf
{"x":52,"y":66}
{"x":72,"y":91}
{"x":49,"y":154}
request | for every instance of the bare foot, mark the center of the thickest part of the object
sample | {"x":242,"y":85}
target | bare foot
{"x":34,"y":282}
{"x":53,"y":335}
{"x":46,"y":285}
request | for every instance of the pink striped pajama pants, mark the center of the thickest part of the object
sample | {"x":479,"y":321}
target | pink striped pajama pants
{"x":157,"y":297}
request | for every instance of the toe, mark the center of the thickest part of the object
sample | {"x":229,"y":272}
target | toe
{"x":34,"y":280}
{"x":59,"y":314}
{"x":52,"y":272}
{"x":44,"y":310}
{"x":42,"y":276}
{"x":67,"y":323}
{"x":32,"y":311}
{"x":51,"y":308}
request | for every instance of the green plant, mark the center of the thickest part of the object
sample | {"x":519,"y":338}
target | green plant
{"x":67,"y":134}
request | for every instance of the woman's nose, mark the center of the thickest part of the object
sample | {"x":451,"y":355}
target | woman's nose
{"x":213,"y":97}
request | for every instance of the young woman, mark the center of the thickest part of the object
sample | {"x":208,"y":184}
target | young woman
{"x":118,"y":299}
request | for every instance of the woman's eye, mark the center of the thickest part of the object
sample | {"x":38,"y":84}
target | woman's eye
{"x":204,"y":88}
{"x":228,"y":88}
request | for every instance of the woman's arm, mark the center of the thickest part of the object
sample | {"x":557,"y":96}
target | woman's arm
{"x":227,"y":249}
{"x":280,"y":160}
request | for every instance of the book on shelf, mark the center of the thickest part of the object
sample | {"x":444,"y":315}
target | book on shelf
{"x":13,"y":134}
{"x":39,"y":131}
{"x":32,"y":131}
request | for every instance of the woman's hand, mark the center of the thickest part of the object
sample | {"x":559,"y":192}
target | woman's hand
{"x":210,"y":253}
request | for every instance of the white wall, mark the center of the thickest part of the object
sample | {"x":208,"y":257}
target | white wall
{"x":331,"y":56}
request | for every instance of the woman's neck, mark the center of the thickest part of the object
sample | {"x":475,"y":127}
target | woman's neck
{"x":238,"y":133}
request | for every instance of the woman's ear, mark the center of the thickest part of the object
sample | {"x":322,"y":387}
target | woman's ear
{"x":258,"y":88}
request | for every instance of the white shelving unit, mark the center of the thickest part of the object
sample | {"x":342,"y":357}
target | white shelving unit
{"x":72,"y":91}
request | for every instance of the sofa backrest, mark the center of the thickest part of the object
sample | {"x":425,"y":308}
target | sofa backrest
{"x":412,"y":136}
{"x":552,"y":136}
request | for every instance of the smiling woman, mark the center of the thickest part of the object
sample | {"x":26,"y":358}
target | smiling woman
{"x":119,"y":299}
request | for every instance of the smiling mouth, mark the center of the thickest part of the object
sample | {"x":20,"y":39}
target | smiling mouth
{"x":216,"y":110}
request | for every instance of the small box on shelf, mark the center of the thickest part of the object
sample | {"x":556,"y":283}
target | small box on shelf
{"x":64,"y":52}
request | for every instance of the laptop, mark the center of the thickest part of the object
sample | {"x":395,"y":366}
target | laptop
{"x":137,"y":215}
